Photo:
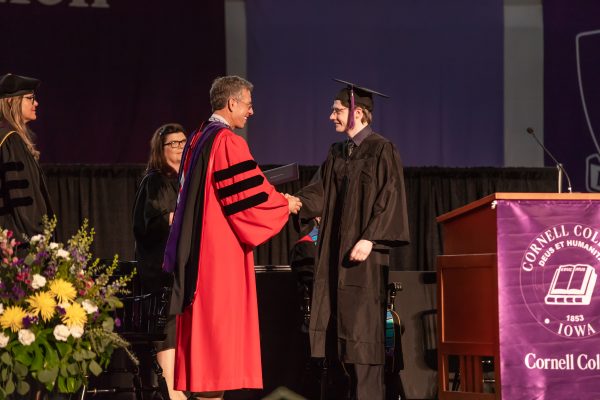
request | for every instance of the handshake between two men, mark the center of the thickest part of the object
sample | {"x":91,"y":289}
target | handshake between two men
{"x":294,"y":203}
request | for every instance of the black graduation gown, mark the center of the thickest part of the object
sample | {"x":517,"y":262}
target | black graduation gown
{"x":24,"y":197}
{"x":155,"y":199}
{"x":359,"y":197}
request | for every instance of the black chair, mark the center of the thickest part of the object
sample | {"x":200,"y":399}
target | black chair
{"x":429,"y":323}
{"x":430,"y":334}
{"x":142,"y":321}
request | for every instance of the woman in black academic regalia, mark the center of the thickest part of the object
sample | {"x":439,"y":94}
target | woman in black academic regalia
{"x":23,"y":194}
{"x":152,"y":216}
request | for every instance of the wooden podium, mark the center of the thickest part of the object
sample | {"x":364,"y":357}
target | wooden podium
{"x":467,"y":277}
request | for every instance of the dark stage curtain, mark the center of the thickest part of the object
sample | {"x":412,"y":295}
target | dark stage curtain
{"x":105,"y":195}
{"x":434,"y":191}
{"x":101,"y":193}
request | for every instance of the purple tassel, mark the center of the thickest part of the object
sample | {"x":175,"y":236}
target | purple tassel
{"x":351,"y":112}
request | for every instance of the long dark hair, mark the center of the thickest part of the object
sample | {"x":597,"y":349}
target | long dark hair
{"x":157,"y":161}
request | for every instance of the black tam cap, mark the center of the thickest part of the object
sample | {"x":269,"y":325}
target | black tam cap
{"x":353,"y":95}
{"x":14,"y":85}
{"x":362,"y":96}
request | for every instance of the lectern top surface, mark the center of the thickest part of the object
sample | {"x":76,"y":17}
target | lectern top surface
{"x":515,"y":196}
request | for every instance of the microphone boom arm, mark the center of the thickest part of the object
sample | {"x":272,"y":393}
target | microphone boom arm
{"x":559,"y":166}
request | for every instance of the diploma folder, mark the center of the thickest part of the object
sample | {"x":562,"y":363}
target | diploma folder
{"x":283,"y":174}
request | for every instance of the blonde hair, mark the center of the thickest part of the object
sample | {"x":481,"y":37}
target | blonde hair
{"x":10,"y":111}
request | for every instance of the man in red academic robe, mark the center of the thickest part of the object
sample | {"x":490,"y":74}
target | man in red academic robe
{"x":226,"y":207}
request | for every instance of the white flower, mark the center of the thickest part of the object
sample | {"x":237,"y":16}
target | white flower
{"x":35,"y":238}
{"x":38,"y":281}
{"x":1,"y":308}
{"x":53,"y":246}
{"x":89,"y":306}
{"x":77,"y":331}
{"x":64,"y":305}
{"x":3,"y":340}
{"x":61,"y":332}
{"x":26,"y":337}
{"x":62,"y":254}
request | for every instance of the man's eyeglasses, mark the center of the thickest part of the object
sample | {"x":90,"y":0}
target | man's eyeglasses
{"x":176,"y":143}
{"x":249,"y":105}
{"x":31,"y":98}
{"x":338,"y":111}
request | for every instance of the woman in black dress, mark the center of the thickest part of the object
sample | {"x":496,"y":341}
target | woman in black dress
{"x":152,"y":216}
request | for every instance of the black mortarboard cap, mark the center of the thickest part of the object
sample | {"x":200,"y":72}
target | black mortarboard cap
{"x":12,"y":85}
{"x":354,"y":95}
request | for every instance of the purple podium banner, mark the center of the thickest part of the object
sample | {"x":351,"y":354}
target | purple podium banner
{"x":548,"y":257}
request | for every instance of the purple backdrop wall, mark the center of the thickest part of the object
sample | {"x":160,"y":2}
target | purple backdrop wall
{"x":442,"y":63}
{"x":112,"y":75}
{"x":572,"y":88}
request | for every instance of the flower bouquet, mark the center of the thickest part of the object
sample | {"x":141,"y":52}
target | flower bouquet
{"x":56,"y":312}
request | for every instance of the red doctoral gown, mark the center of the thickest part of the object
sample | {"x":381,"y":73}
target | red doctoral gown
{"x":218,"y":345}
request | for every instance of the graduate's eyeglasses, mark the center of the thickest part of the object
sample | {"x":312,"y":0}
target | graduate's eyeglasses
{"x":31,"y":98}
{"x":338,"y":111}
{"x":176,"y":143}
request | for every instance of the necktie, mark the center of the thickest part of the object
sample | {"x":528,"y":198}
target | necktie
{"x":351,"y":147}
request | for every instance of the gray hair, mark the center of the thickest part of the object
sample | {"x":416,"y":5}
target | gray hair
{"x":225,"y":87}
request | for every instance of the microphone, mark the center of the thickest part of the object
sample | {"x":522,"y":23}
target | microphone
{"x":559,"y":166}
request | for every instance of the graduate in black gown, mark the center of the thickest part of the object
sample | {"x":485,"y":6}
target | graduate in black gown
{"x":24,"y":198}
{"x":362,"y":204}
{"x":152,"y":217}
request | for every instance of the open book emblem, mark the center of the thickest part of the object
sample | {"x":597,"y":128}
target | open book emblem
{"x":572,"y":284}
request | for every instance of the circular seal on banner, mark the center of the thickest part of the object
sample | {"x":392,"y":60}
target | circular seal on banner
{"x":558,"y":277}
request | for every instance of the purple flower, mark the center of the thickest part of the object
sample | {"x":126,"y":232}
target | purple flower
{"x":28,"y":321}
{"x":80,"y":258}
{"x":3,"y":292}
{"x":18,"y":292}
{"x":60,"y":310}
{"x":50,"y":271}
{"x":117,"y":322}
{"x":40,"y":256}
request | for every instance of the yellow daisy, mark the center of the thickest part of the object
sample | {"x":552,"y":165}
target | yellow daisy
{"x":43,"y":304}
{"x":75,"y":315}
{"x":63,"y":290}
{"x":12,"y":318}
